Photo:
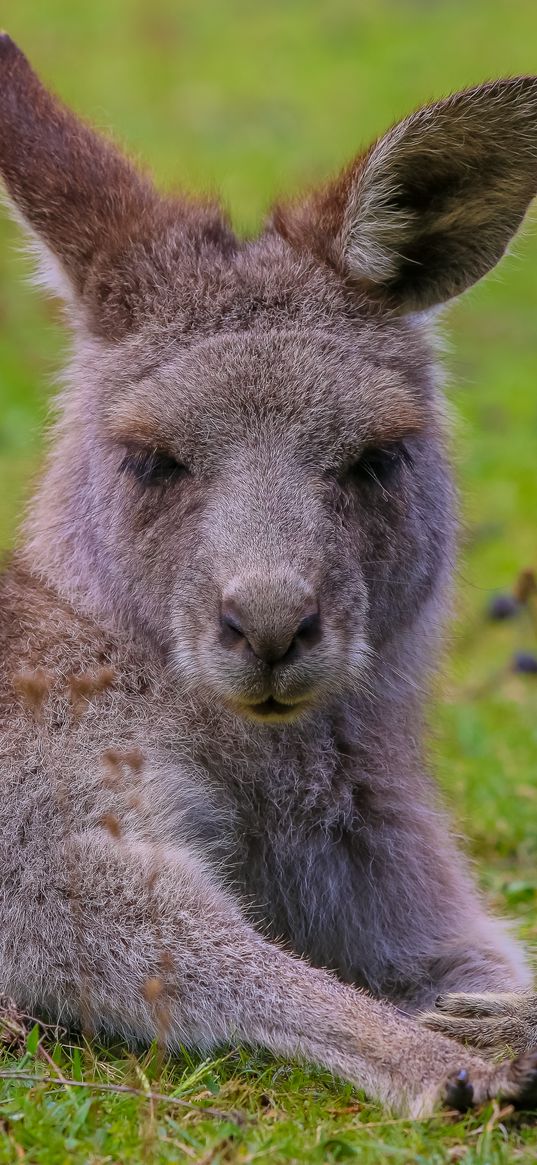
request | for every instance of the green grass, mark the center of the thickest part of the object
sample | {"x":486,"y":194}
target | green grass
{"x":254,"y":99}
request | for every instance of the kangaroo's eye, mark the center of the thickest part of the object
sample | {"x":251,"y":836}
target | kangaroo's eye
{"x":152,"y":467}
{"x":378,"y":465}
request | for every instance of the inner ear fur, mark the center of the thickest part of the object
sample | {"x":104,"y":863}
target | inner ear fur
{"x":432,"y":206}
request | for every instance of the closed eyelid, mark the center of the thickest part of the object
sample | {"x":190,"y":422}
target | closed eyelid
{"x":396,"y":440}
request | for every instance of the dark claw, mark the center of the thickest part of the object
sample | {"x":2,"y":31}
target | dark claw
{"x":459,"y":1091}
{"x":439,"y":1002}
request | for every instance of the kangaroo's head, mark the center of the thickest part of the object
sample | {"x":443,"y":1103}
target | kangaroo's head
{"x":248,"y":467}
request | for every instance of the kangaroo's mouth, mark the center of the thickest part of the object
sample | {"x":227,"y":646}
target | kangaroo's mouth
{"x":274,"y":711}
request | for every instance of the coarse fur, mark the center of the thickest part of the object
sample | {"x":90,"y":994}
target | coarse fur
{"x":218,"y":627}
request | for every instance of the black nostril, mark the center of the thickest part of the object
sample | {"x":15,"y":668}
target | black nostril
{"x":308,"y":631}
{"x":231,"y":626}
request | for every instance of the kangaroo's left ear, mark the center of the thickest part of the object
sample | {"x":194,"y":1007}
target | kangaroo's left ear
{"x":106,"y":241}
{"x":79,"y":197}
{"x":432,"y":206}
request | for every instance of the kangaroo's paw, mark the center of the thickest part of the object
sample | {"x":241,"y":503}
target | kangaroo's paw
{"x":513,"y":1080}
{"x":491,"y":1021}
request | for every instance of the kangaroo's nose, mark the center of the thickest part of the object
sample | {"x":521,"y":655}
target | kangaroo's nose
{"x":271,"y":640}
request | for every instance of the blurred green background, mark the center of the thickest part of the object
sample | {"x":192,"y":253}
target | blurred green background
{"x":255,"y":100}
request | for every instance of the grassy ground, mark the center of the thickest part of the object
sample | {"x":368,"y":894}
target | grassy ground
{"x":254,"y":99}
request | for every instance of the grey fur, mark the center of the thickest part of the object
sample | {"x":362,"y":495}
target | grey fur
{"x":169,"y":842}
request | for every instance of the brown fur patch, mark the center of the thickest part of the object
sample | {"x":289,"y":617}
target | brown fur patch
{"x":33,"y":687}
{"x":84,"y":687}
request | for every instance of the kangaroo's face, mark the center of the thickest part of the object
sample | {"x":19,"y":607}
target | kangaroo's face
{"x":275,"y":505}
{"x":248,"y":467}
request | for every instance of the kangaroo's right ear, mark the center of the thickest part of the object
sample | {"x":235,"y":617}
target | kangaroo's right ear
{"x":93,"y":217}
{"x":432,"y":206}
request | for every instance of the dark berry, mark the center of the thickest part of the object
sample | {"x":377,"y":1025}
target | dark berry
{"x":502,"y":607}
{"x":525,"y":662}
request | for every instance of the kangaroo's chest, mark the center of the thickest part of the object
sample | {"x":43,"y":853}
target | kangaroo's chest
{"x":293,"y":836}
{"x":301,"y":858}
{"x":309,"y":888}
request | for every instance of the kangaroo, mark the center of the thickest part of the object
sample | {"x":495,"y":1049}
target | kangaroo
{"x":220,"y":619}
